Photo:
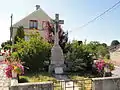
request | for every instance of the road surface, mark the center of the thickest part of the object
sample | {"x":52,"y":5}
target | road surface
{"x":116,"y":72}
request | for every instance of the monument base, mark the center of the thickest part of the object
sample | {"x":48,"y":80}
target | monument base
{"x":54,"y":69}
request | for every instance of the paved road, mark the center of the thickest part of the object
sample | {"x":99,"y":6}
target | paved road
{"x":116,"y":72}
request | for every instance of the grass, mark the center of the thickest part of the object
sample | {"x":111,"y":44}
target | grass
{"x":38,"y":77}
{"x":83,"y":81}
{"x":81,"y":75}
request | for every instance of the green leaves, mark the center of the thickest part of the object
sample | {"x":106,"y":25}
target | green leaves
{"x":19,"y":34}
{"x":115,"y":43}
{"x":33,"y":52}
{"x":6,"y":45}
{"x":79,"y":56}
{"x":82,"y":55}
{"x":97,"y":49}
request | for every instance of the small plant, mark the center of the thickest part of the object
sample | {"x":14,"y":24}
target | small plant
{"x":104,"y":66}
{"x":14,"y":65}
{"x":23,"y":79}
{"x":100,"y":65}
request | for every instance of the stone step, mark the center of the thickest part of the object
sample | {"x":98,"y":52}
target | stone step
{"x":61,"y":77}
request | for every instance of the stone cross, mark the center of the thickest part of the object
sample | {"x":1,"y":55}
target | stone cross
{"x":57,"y":57}
{"x":57,"y":22}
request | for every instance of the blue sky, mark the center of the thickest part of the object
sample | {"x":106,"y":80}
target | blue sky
{"x":74,"y":12}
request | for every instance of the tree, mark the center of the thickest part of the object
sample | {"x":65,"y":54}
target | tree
{"x":104,"y":44}
{"x":35,"y":52}
{"x":115,"y":43}
{"x":63,"y":40}
{"x":63,"y":36}
{"x":6,"y":45}
{"x":79,"y":56}
{"x":97,"y":49}
{"x":80,"y":42}
{"x":20,"y":33}
{"x":92,"y":48}
{"x":102,"y":51}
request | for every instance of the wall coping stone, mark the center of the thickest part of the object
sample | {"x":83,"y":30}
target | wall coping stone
{"x":33,"y":83}
{"x":106,"y":78}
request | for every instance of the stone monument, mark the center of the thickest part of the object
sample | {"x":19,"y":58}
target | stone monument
{"x":57,"y":58}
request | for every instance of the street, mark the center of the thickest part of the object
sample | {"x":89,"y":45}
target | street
{"x":116,"y":72}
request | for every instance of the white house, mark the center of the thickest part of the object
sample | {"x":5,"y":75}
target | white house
{"x":33,"y":22}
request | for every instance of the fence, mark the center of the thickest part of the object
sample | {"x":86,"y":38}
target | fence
{"x":105,"y":83}
{"x":83,"y":84}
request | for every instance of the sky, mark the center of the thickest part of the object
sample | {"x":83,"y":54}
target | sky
{"x":75,"y":13}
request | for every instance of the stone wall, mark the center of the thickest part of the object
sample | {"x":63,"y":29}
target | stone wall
{"x":33,"y":86}
{"x":4,"y":81}
{"x":106,"y":83}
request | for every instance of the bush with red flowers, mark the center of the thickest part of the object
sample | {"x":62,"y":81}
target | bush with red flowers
{"x":13,"y":65}
{"x":101,"y":66}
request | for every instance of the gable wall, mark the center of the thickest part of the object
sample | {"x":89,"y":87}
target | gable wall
{"x":38,"y":15}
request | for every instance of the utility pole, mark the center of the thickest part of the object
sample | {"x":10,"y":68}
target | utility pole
{"x":11,"y":28}
{"x":11,"y":32}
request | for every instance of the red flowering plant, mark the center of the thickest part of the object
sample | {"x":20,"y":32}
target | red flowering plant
{"x":102,"y":65}
{"x":14,"y":66}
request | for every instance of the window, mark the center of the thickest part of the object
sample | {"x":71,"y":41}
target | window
{"x":33,"y":24}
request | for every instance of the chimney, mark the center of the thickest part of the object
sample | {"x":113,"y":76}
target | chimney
{"x":37,"y":7}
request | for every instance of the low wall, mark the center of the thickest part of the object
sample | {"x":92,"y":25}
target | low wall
{"x":106,"y":83}
{"x":4,"y":81}
{"x":33,"y":86}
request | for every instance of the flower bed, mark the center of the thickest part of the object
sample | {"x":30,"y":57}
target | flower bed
{"x":13,"y":69}
{"x":14,"y":65}
{"x":104,"y":66}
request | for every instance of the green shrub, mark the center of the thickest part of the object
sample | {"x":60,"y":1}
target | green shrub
{"x":35,"y":52}
{"x":79,"y":56}
{"x":23,"y":79}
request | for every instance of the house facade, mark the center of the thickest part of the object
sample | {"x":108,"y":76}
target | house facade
{"x":36,"y":21}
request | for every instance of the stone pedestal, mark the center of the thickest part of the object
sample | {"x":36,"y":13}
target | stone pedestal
{"x":57,"y":60}
{"x":58,"y":70}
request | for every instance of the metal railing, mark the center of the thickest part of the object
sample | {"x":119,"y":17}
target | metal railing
{"x":83,"y":84}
